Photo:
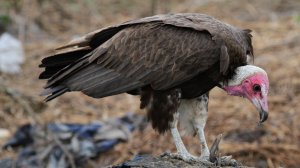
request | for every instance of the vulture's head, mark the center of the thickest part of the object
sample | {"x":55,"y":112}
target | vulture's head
{"x":252,"y":83}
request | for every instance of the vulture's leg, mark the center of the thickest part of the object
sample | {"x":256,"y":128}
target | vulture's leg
{"x":177,"y":138}
{"x":199,"y":118}
{"x":199,"y":123}
{"x":182,"y":152}
{"x":192,"y":116}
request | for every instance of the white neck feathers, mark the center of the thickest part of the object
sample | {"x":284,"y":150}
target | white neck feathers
{"x":243,"y":72}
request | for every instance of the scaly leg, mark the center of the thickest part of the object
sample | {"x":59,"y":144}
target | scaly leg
{"x":199,"y":124}
{"x":182,"y":152}
{"x":204,"y":148}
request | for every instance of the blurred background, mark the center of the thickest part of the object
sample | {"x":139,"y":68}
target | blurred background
{"x":39,"y":26}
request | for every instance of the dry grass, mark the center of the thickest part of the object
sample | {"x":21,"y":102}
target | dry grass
{"x":276,"y":39}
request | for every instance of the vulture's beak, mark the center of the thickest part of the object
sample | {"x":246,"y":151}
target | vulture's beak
{"x":262,"y":107}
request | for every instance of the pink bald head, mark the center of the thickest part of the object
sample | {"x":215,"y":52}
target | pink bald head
{"x":253,"y":85}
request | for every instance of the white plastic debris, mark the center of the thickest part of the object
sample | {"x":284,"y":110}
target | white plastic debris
{"x":11,"y":54}
{"x":4,"y":133}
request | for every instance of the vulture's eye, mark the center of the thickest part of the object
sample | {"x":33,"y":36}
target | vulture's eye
{"x":256,"y":88}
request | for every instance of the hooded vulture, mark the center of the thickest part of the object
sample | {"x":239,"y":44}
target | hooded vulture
{"x":172,"y":61}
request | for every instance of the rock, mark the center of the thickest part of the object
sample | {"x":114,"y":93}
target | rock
{"x":148,"y":161}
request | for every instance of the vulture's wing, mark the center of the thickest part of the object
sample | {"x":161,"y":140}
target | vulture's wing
{"x":162,"y":51}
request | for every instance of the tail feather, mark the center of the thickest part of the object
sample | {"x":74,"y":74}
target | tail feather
{"x":56,"y":92}
{"x":93,"y":81}
{"x":50,"y":71}
{"x":49,"y":91}
{"x":57,"y":62}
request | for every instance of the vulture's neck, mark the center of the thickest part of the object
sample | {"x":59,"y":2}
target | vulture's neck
{"x":241,"y":73}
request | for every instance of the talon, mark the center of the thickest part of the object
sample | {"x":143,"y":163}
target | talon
{"x":205,"y":160}
{"x":204,"y":157}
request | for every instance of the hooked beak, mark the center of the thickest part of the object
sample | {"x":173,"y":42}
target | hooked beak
{"x":263,"y":115}
{"x":262,"y":107}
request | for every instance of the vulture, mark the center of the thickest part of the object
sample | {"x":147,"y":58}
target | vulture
{"x":171,"y":61}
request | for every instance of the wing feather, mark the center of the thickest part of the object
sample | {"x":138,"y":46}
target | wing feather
{"x":99,"y":82}
{"x":162,"y":51}
{"x":178,"y":54}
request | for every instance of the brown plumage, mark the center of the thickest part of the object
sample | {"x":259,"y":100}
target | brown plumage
{"x":152,"y":57}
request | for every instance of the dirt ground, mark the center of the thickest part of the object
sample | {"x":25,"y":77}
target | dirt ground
{"x":276,"y":40}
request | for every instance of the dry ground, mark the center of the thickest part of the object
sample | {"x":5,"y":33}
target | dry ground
{"x":276,"y":38}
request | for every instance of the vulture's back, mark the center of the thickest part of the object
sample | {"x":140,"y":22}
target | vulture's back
{"x":190,"y":51}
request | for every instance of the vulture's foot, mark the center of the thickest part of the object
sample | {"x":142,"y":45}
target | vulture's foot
{"x":188,"y":158}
